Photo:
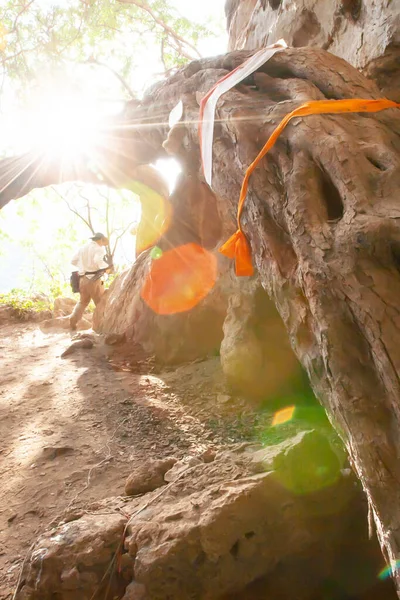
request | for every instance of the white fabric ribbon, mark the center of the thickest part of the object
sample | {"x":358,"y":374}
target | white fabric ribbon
{"x":176,"y":114}
{"x":206,"y":126}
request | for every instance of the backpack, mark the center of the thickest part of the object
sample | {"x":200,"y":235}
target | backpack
{"x":74,"y":281}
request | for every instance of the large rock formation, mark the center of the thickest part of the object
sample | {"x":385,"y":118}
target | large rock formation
{"x":364,"y":32}
{"x":285,"y":520}
{"x":322,"y":219}
{"x":256,"y":356}
{"x":179,"y":337}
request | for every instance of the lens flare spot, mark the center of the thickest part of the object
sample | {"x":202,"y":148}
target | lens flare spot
{"x":156,"y":216}
{"x":156,"y":253}
{"x":389,"y":570}
{"x":283,"y":416}
{"x":180,"y":279}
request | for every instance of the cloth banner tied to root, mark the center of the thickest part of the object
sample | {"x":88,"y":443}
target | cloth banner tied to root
{"x":181,"y":277}
{"x":209,"y":102}
{"x":238,"y":247}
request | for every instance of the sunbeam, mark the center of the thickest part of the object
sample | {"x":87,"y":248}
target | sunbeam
{"x":66,"y":126}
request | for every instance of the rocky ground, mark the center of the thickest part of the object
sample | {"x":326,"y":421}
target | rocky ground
{"x":86,"y":505}
{"x":73,"y":429}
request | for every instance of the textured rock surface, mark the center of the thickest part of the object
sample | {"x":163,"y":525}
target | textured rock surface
{"x":64,"y":306}
{"x":148,"y":477}
{"x":256,"y":356}
{"x":85,"y":344}
{"x":135,"y":591}
{"x":183,"y":336}
{"x":73,"y":558}
{"x":56,"y":323}
{"x":364,"y":32}
{"x":170,"y":338}
{"x":322,"y":219}
{"x":217,"y":529}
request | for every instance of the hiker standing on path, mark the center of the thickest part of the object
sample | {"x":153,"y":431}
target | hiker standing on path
{"x":91,"y":264}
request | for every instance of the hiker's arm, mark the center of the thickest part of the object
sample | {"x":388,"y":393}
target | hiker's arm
{"x":99,"y":259}
{"x":75,"y":259}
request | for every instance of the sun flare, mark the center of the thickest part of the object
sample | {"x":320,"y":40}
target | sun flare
{"x":67,"y":126}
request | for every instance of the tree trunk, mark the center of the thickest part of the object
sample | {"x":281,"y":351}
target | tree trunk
{"x":322,"y":217}
{"x":366,"y":33}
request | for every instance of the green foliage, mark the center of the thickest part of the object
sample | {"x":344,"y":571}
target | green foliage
{"x":24,"y":306}
{"x":4,"y":236}
{"x":45,"y":229}
{"x":97,"y":50}
{"x":42,"y":35}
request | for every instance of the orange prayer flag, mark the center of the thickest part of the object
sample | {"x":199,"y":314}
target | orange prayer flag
{"x":237,"y":246}
{"x":244,"y":264}
{"x":229,"y":248}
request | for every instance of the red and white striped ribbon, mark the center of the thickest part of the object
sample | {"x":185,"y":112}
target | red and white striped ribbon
{"x":209,"y":102}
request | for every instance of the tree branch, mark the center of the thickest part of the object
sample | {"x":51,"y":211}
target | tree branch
{"x":162,"y":54}
{"x":94,"y":61}
{"x":21,"y":12}
{"x":75,"y":212}
{"x":168,"y":30}
{"x":45,"y":265}
{"x":89,"y":214}
{"x":118,"y":237}
{"x":108,"y":233}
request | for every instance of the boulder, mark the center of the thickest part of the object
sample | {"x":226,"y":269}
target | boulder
{"x":304,"y":463}
{"x":172,"y":339}
{"x":63,"y":306}
{"x":256,"y":356}
{"x":73,"y":558}
{"x":113,"y":339}
{"x":40,"y":297}
{"x":185,"y":336}
{"x":84,"y":344}
{"x":148,"y":476}
{"x":218,"y":529}
{"x":62,"y":323}
{"x":135,"y":591}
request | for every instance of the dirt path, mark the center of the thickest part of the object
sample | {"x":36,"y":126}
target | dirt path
{"x":72,"y":429}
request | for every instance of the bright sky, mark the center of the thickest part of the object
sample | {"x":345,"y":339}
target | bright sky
{"x":196,"y":11}
{"x":20,"y":129}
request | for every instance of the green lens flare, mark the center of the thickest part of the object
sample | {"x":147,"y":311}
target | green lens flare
{"x":156,"y":253}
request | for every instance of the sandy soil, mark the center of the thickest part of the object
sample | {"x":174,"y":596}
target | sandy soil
{"x":72,"y":429}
